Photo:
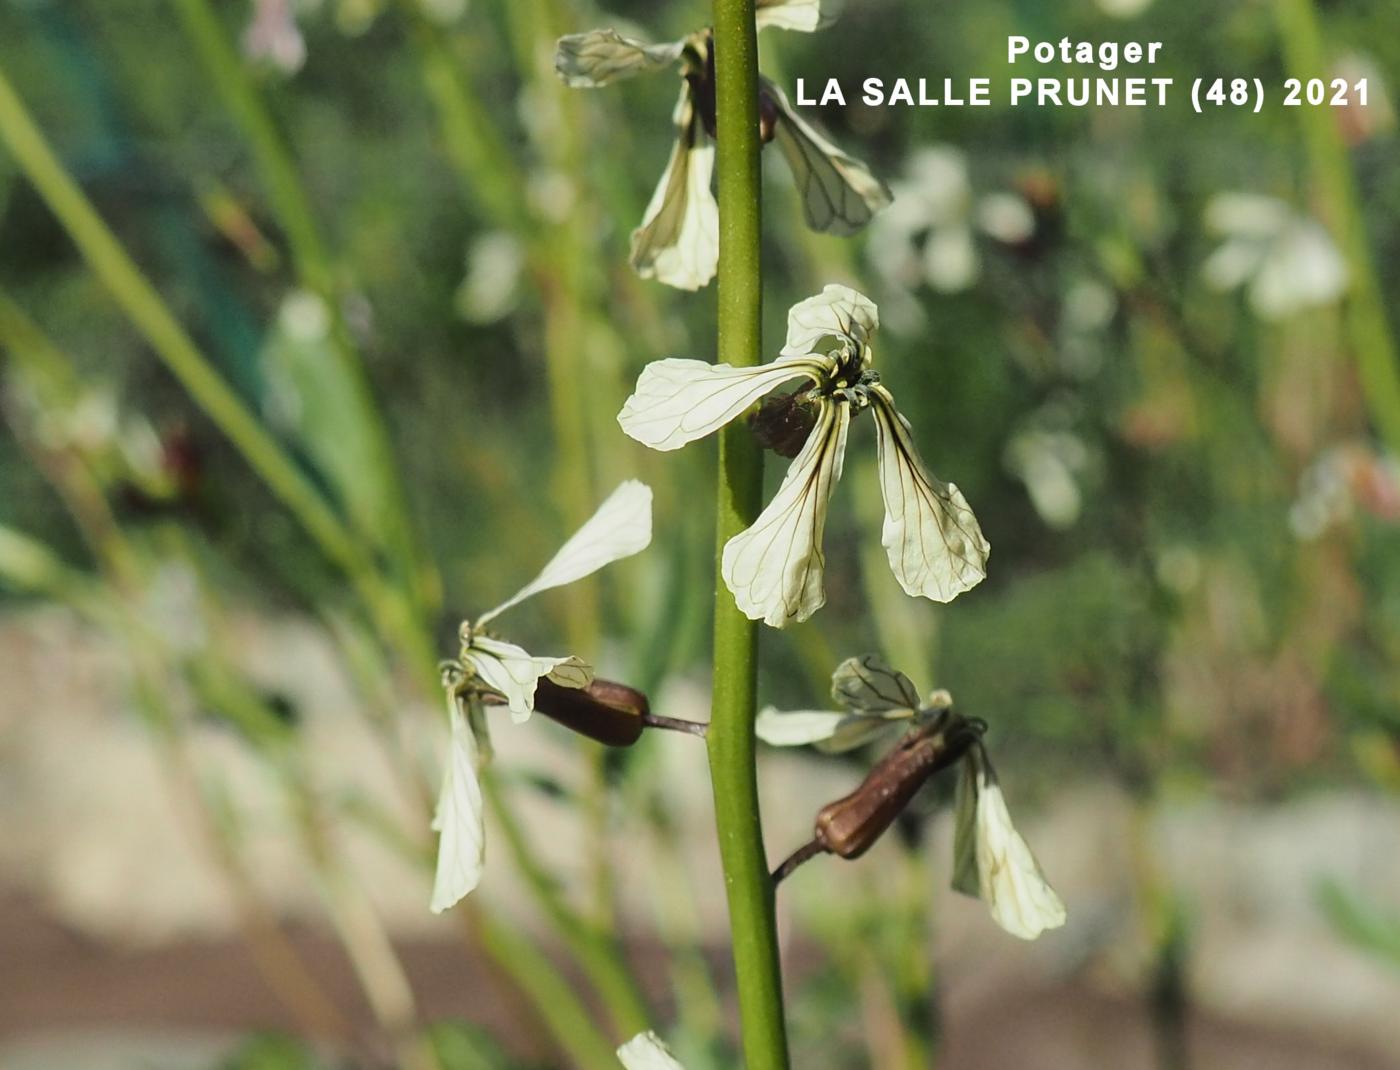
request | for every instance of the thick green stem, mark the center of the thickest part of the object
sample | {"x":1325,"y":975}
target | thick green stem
{"x":731,"y":737}
{"x":1370,"y":335}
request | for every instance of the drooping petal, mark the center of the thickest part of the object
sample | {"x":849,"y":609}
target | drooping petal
{"x":646,"y":1051}
{"x":774,"y":568}
{"x":458,"y":819}
{"x":679,"y":400}
{"x":836,"y":312}
{"x":513,"y":672}
{"x":868,"y":683}
{"x":599,"y":57}
{"x":965,"y":828}
{"x":831,"y":731}
{"x":1009,"y":879}
{"x":802,"y":15}
{"x":620,"y":528}
{"x":678,"y":241}
{"x":935,"y":546}
{"x":839,"y":193}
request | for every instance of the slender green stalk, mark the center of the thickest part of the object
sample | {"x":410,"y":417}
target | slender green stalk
{"x":1372,"y":340}
{"x":753,"y":930}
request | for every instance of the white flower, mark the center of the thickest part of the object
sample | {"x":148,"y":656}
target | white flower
{"x":647,"y":1051}
{"x":678,"y":240}
{"x":774,"y":568}
{"x":1285,"y":261}
{"x":273,"y":36}
{"x":875,"y":697}
{"x":929,"y":236}
{"x":620,"y":528}
{"x":992,"y":862}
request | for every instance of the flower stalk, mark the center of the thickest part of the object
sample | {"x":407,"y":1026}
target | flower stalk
{"x":731,"y":740}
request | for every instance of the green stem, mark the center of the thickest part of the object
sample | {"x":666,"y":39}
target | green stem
{"x":1372,"y":340}
{"x":730,"y":741}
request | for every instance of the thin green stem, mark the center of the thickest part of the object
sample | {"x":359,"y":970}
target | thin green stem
{"x":753,"y":929}
{"x":1371,"y":337}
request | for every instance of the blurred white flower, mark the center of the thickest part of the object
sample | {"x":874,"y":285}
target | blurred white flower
{"x":620,"y":528}
{"x":1286,"y":262}
{"x":1361,"y":122}
{"x":491,"y":287}
{"x":1344,"y":478}
{"x":1050,"y":463}
{"x":273,"y":36}
{"x":992,"y":862}
{"x":929,"y":235}
{"x":774,"y":568}
{"x":678,"y":240}
{"x":875,"y":698}
{"x":1124,"y":9}
{"x":647,"y":1051}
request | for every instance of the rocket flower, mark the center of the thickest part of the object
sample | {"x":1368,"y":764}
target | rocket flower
{"x":491,"y":671}
{"x":647,"y":1051}
{"x":678,"y":240}
{"x":774,"y":568}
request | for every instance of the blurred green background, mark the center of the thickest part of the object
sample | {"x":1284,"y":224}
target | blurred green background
{"x":387,"y":249}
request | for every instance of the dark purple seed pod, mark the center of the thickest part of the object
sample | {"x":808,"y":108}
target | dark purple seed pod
{"x":782,"y":422}
{"x":605,"y":711}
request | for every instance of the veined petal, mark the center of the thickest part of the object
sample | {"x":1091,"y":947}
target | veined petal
{"x":839,"y":193}
{"x":802,"y":15}
{"x":935,"y":546}
{"x":868,"y":684}
{"x":512,"y":671}
{"x":831,"y":731}
{"x":620,"y":528}
{"x":774,"y":568}
{"x":458,"y":819}
{"x":599,"y":57}
{"x":1009,"y":879}
{"x":646,"y":1051}
{"x":678,"y":241}
{"x":678,"y":400}
{"x":837,"y":312}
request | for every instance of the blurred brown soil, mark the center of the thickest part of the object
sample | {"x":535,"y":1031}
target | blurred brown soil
{"x":55,"y":981}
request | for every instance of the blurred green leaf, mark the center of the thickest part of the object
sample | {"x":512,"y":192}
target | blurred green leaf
{"x":1362,"y":923}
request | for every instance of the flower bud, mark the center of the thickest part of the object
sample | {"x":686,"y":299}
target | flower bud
{"x":850,"y":826}
{"x":605,"y":711}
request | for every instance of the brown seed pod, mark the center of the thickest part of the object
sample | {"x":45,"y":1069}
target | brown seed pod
{"x":606,"y":711}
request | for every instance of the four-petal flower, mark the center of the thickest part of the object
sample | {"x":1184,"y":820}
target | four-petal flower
{"x":489,"y":666}
{"x":678,"y":241}
{"x":775,"y":567}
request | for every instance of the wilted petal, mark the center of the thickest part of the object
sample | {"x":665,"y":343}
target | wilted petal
{"x":802,"y":15}
{"x":1008,"y":877}
{"x":458,"y":819}
{"x":831,"y":731}
{"x":646,"y":1051}
{"x":598,"y":57}
{"x":774,"y":568}
{"x":836,"y":312}
{"x":868,"y":683}
{"x":678,"y":241}
{"x":620,"y":528}
{"x":839,"y":193}
{"x":514,"y":672}
{"x":935,"y":546}
{"x":679,"y":400}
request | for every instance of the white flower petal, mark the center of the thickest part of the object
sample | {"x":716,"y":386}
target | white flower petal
{"x":839,"y":194}
{"x":1246,"y":215}
{"x":868,"y":684}
{"x":458,"y":820}
{"x":935,"y":546}
{"x":836,"y":312}
{"x":678,"y":241}
{"x":802,"y":15}
{"x":678,"y":400}
{"x":774,"y":568}
{"x":1009,"y":878}
{"x":831,"y":731}
{"x":1234,"y":263}
{"x":1007,"y":217}
{"x":598,"y":57}
{"x":513,"y":672}
{"x":951,"y":263}
{"x":646,"y":1051}
{"x":1304,"y":269}
{"x":620,"y":528}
